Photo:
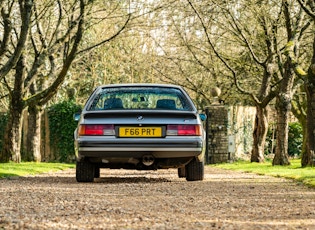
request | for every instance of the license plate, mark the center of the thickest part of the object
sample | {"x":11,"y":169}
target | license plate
{"x":140,"y":131}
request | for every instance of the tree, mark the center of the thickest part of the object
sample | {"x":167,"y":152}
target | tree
{"x":296,"y":24}
{"x":56,"y":33}
{"x":249,"y":39}
{"x":309,"y":86}
{"x":257,"y":52}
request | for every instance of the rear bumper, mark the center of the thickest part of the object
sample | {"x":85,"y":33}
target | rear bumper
{"x":172,"y":147}
{"x":137,"y":152}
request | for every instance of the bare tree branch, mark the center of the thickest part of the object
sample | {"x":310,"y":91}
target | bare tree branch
{"x":226,"y":64}
{"x":304,"y":4}
{"x":108,"y":39}
{"x":26,"y":12}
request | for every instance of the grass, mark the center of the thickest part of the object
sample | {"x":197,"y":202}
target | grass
{"x":30,"y":168}
{"x":294,"y":171}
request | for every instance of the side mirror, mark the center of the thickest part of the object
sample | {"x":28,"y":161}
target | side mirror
{"x":76,"y":116}
{"x":203,"y":116}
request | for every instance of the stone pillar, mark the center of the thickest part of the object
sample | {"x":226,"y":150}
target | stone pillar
{"x":217,"y":134}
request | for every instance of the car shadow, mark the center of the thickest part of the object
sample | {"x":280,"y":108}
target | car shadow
{"x":106,"y":177}
{"x":131,"y":180}
{"x":55,"y":180}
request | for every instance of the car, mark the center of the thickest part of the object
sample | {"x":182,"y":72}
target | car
{"x":140,"y":127}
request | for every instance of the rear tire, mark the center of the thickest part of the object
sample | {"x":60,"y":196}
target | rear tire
{"x":195,"y":170}
{"x":181,"y":172}
{"x":97,"y":172}
{"x":85,"y":171}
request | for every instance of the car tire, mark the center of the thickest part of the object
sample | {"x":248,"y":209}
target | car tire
{"x":195,"y":170}
{"x":85,"y":171}
{"x":97,"y":172}
{"x":181,"y":172}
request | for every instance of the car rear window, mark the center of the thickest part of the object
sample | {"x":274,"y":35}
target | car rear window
{"x":151,"y":98}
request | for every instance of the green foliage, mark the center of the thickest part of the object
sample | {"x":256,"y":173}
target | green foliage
{"x":295,"y":139}
{"x":62,"y":126}
{"x":3,"y":123}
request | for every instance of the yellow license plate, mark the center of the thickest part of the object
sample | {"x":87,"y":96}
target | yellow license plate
{"x":140,"y":131}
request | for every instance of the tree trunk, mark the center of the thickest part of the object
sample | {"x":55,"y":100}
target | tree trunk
{"x":13,"y":135}
{"x":305,"y":158}
{"x":310,"y":122}
{"x":283,"y":106}
{"x":298,"y":111}
{"x":33,"y":134}
{"x":259,"y":134}
{"x":309,"y":85}
{"x":12,"y":139}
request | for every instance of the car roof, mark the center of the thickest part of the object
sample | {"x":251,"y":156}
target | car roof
{"x":140,"y":85}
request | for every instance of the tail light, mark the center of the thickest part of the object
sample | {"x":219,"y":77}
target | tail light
{"x":96,"y":130}
{"x":184,"y":130}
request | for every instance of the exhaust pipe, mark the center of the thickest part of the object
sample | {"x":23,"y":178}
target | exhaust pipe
{"x":147,"y":160}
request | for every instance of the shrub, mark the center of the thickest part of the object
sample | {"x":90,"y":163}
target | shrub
{"x":295,"y":139}
{"x":62,"y":126}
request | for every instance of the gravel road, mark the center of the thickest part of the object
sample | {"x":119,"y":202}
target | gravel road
{"x":124,"y":199}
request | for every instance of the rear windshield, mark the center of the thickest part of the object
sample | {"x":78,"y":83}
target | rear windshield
{"x":151,"y":98}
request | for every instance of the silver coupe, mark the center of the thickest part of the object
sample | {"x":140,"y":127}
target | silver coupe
{"x":139,"y":126}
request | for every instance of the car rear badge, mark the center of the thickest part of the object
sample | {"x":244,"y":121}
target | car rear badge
{"x":140,"y":118}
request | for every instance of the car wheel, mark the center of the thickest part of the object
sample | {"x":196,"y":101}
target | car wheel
{"x":194,"y":170}
{"x":85,"y":171}
{"x":97,"y":172}
{"x":181,"y":172}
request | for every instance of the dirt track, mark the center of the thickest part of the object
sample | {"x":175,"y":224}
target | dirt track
{"x":155,"y":200}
